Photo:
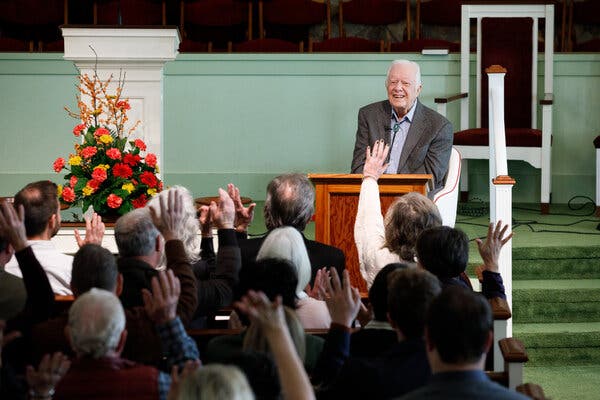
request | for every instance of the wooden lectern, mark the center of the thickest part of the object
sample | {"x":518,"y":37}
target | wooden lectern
{"x":336,"y":205}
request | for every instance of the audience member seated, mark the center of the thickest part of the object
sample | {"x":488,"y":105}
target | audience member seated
{"x":382,"y":241}
{"x":444,"y":252}
{"x":458,"y":335}
{"x":96,"y":331}
{"x":12,"y":289}
{"x":276,"y":278}
{"x":377,"y":335}
{"x":216,"y":279}
{"x":42,"y":221}
{"x":394,"y":372}
{"x":141,"y":245}
{"x":287,"y":243}
{"x":94,"y":266}
{"x":290,"y":202}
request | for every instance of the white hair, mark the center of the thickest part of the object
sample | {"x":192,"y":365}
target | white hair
{"x":405,"y":62}
{"x":188,"y":229}
{"x":135,"y":233}
{"x":216,"y":382}
{"x":287,"y":243}
{"x":96,"y":321}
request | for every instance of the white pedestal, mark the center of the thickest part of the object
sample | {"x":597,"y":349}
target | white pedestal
{"x":138,"y":53}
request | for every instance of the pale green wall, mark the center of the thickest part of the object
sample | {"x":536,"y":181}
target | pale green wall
{"x":246,"y":118}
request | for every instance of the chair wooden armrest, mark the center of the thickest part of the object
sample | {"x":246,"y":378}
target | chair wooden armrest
{"x":548,"y":99}
{"x":442,"y":100}
{"x":513,"y":350}
{"x":532,"y":391}
{"x":500,"y":308}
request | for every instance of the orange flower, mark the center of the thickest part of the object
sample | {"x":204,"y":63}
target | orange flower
{"x":68,"y":194}
{"x":99,"y":174}
{"x":89,"y":151}
{"x":77,"y":130}
{"x":113,"y":153}
{"x":114,"y":201}
{"x":73,"y":181}
{"x":59,"y":164}
{"x":151,"y":160}
{"x":139,"y":143}
{"x":123,"y":105}
{"x":101,"y":131}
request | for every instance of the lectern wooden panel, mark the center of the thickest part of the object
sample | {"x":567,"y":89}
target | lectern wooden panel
{"x":336,"y":205}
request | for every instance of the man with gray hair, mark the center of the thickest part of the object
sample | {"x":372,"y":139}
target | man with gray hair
{"x":419,"y":138}
{"x":141,"y":243}
{"x":96,"y":331}
{"x":290,"y":202}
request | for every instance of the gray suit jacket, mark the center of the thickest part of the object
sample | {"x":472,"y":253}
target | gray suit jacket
{"x":426,"y":150}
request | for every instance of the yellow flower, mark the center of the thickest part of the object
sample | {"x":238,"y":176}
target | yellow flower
{"x":87,"y":191}
{"x":103,"y":166}
{"x":59,"y":190}
{"x":97,"y":111}
{"x":106,"y":139}
{"x":156,"y":169}
{"x":74,"y":160}
{"x":151,"y":191}
{"x":128,"y":187}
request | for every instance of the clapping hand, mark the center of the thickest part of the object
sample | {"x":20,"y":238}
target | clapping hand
{"x":12,"y":225}
{"x":161,"y":304}
{"x":375,"y":164}
{"x":343,"y":300}
{"x":223,"y":213}
{"x":94,"y":231}
{"x":243,"y":215}
{"x":171,"y":216}
{"x":490,"y":249}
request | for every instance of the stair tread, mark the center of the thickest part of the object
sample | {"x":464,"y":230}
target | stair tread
{"x":557,"y":284}
{"x":557,"y":327}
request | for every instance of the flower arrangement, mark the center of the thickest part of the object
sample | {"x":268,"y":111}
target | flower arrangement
{"x":107,"y":170}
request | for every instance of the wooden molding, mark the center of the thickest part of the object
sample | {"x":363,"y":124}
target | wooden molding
{"x":500,"y":308}
{"x":495,"y":69}
{"x":513,"y":350}
{"x":503,"y":180}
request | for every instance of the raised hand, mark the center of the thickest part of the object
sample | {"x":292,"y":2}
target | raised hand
{"x":343,"y":300}
{"x":223,"y":214}
{"x":205,"y":221}
{"x":49,"y":372}
{"x":257,"y":306}
{"x":315,"y":291}
{"x":12,"y":225}
{"x":178,"y":377}
{"x":490,"y":249}
{"x":94,"y":231}
{"x":171,"y":216}
{"x":243,"y":215}
{"x":375,"y":164}
{"x":161,"y":304}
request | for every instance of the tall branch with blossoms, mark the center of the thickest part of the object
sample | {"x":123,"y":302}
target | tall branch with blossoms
{"x":106,"y":171}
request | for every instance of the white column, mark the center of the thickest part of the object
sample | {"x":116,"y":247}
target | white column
{"x":140,"y":54}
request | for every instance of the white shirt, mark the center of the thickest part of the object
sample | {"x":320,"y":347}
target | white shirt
{"x":57,"y":265}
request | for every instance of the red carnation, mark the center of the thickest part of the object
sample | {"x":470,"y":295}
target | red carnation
{"x":101,"y":131}
{"x":114,"y":201}
{"x":160,"y":186}
{"x":113,"y":153}
{"x":89,"y":152}
{"x":94,"y":184}
{"x":131,"y":159}
{"x":148,"y":178}
{"x":59,"y":164}
{"x":123,"y":105}
{"x":77,"y":130}
{"x":122,"y":171}
{"x":99,"y":174}
{"x":73,"y":181}
{"x":139,"y":143}
{"x":68,"y":194}
{"x":140,"y":201}
{"x":151,"y":160}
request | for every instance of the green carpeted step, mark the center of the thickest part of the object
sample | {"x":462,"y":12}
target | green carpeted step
{"x":561,"y":343}
{"x":556,"y":301}
{"x":566,"y":382}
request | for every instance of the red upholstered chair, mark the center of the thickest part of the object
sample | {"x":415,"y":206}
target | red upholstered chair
{"x":216,"y":21}
{"x":130,"y":12}
{"x":291,"y":19}
{"x":374,"y":12}
{"x":268,"y":45}
{"x":583,"y":13}
{"x":346,"y":45}
{"x":511,"y":42}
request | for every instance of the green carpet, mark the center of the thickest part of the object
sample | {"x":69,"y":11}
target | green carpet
{"x":566,"y":382}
